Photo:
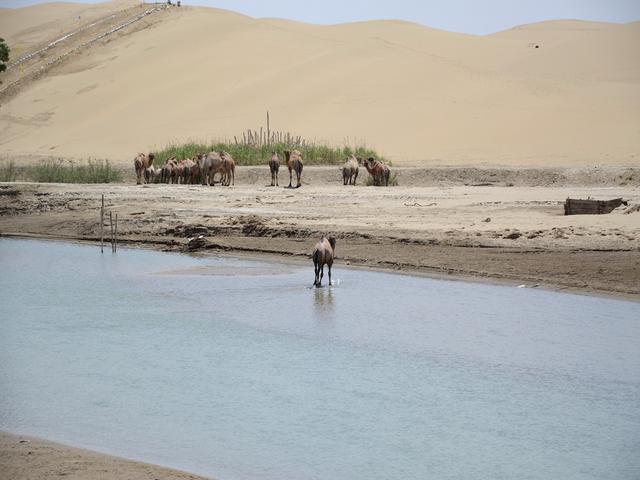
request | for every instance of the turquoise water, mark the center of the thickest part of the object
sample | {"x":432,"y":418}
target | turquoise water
{"x":237,"y":369}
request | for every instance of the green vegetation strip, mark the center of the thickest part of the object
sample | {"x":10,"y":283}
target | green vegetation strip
{"x":61,"y":171}
{"x":251,"y":155}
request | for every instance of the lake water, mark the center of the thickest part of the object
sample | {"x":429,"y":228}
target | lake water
{"x":237,"y":369}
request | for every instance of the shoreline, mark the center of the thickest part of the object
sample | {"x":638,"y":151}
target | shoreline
{"x":297,"y":259}
{"x":24,"y":457}
{"x":492,"y":234}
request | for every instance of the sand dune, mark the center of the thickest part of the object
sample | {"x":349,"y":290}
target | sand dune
{"x":24,"y":28}
{"x":419,"y":95}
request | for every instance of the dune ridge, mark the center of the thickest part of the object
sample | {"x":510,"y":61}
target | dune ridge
{"x":420,"y":96}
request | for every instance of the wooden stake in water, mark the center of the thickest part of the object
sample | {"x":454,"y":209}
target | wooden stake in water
{"x":115,"y":236}
{"x":102,"y":226}
{"x":111,"y":225}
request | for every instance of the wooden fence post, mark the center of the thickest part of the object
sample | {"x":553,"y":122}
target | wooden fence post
{"x":102,"y":226}
{"x":111,"y":226}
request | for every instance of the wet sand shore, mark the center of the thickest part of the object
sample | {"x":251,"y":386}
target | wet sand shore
{"x":28,"y":458}
{"x":515,"y":234}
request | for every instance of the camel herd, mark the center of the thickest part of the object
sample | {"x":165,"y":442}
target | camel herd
{"x":203,"y":168}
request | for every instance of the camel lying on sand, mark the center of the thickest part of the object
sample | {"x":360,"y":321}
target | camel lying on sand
{"x":141,"y":163}
{"x":323,"y":254}
{"x":378,"y":171}
{"x":294,"y":163}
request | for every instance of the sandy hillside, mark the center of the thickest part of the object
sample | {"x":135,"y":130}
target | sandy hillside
{"x":25,"y":28}
{"x":419,"y":95}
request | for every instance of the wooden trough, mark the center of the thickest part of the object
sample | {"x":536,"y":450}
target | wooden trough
{"x":591,"y":207}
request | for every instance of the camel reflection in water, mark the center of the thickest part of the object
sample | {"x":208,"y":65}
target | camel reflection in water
{"x":323,"y":300}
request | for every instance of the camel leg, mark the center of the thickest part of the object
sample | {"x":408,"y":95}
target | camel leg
{"x":316,"y":271}
{"x":290,"y":177}
{"x":298,"y":185}
{"x":321,"y":275}
{"x":355,"y":179}
{"x":329,"y":267}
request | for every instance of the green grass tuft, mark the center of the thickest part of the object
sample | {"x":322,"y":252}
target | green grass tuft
{"x":59,"y":171}
{"x":62,"y":171}
{"x":8,"y":172}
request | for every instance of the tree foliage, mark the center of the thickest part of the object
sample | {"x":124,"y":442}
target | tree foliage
{"x":4,"y":55}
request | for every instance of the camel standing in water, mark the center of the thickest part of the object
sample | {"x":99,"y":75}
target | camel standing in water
{"x":350,"y":170}
{"x":141,"y":163}
{"x":274,"y":166}
{"x":228,"y":169}
{"x":323,"y":254}
{"x":378,"y":171}
{"x":294,"y":163}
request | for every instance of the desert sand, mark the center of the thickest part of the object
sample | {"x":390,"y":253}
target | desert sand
{"x":420,"y":96}
{"x":28,"y":458}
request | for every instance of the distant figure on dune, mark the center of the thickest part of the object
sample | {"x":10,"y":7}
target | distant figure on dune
{"x":323,"y":254}
{"x":294,"y":163}
{"x":350,"y":170}
{"x":378,"y":171}
{"x":274,"y":166}
{"x":141,"y":163}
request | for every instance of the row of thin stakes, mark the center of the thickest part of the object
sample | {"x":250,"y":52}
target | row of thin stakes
{"x":203,"y":168}
{"x":113,"y":226}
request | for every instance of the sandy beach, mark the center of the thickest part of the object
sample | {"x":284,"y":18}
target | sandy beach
{"x":516,"y":234}
{"x":29,"y":458}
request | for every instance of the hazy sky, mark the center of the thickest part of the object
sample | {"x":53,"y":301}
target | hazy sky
{"x":479,"y":16}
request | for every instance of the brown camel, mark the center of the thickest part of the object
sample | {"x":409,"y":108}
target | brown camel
{"x":196,"y":170}
{"x":378,"y":171}
{"x":294,"y":163}
{"x":274,"y":166}
{"x":167,"y":170}
{"x":323,"y":254}
{"x":187,"y":165}
{"x":350,"y":170}
{"x":150,"y":174}
{"x":211,"y":164}
{"x":228,"y":169}
{"x":141,"y":163}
